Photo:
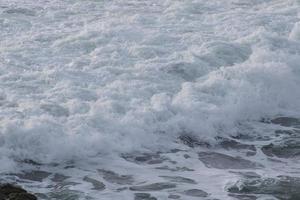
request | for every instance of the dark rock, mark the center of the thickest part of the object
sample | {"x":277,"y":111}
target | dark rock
{"x":179,"y":179}
{"x":153,"y":162}
{"x":286,"y":149}
{"x":153,"y":187}
{"x":121,"y":189}
{"x":12,"y":192}
{"x":282,"y":187}
{"x":232,"y":144}
{"x":59,"y":178}
{"x":32,"y":162}
{"x":284,"y":121}
{"x":22,"y":196}
{"x":284,"y":132}
{"x":250,"y":153}
{"x":296,"y":131}
{"x":192,"y":141}
{"x":7,"y":189}
{"x":251,"y":137}
{"x":41,"y":196}
{"x":222,"y":161}
{"x":34,"y":175}
{"x":97,"y":185}
{"x":144,"y":158}
{"x":287,"y":121}
{"x":69,"y":167}
{"x":176,"y":169}
{"x":113,"y":177}
{"x":143,"y":196}
{"x":195,"y":193}
{"x":176,"y":150}
{"x":186,"y":156}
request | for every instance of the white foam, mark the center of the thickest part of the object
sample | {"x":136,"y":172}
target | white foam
{"x":80,"y":78}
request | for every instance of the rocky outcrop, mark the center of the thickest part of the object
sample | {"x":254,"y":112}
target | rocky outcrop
{"x":223,"y":161}
{"x":153,"y":187}
{"x":12,"y":192}
{"x":282,"y":187}
{"x":286,"y":121}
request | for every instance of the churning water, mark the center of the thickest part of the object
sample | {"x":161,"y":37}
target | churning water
{"x":124,"y":99}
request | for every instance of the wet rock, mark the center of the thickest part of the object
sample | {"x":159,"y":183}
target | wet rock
{"x":222,"y":161}
{"x":66,"y":184}
{"x":174,"y":196}
{"x":113,"y":177}
{"x":176,"y":169}
{"x":195,"y":193}
{"x":31,"y":162}
{"x":7,"y":189}
{"x":254,"y":136}
{"x":192,"y":141}
{"x":41,"y":196}
{"x":153,"y":187}
{"x":97,"y":185}
{"x":144,"y":158}
{"x":282,"y":187}
{"x":176,"y":150}
{"x":21,"y":196}
{"x":296,"y":131}
{"x":179,"y":179}
{"x":59,"y":178}
{"x":232,"y":144}
{"x":250,"y":153}
{"x":35,"y":175}
{"x":186,"y":156}
{"x":153,"y":162}
{"x":143,"y":196}
{"x":121,"y":189}
{"x":284,"y":132}
{"x":286,"y":121}
{"x":11,"y":192}
{"x":69,"y":167}
{"x":286,"y":149}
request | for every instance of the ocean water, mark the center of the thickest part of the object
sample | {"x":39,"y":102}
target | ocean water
{"x":141,"y":88}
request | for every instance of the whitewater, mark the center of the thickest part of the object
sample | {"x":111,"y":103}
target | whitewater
{"x":127,"y":93}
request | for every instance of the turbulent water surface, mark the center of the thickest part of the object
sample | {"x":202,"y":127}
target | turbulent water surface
{"x":149,"y":99}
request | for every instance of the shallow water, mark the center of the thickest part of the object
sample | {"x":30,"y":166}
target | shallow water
{"x":148,"y":99}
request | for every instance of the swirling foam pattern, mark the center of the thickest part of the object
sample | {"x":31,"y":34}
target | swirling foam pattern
{"x":80,"y":78}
